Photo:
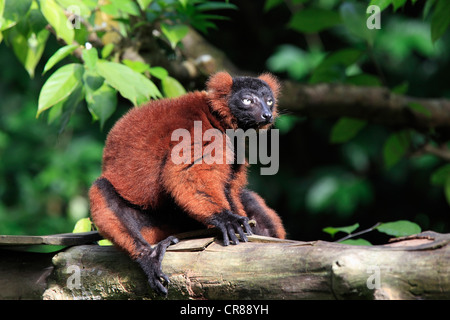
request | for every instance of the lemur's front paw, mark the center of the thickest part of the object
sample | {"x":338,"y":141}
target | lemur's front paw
{"x":230,"y":224}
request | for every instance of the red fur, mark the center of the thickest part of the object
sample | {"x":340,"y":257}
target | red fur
{"x":273,"y":83}
{"x":137,"y":163}
{"x":141,"y":139}
{"x":108,"y":223}
{"x":219,"y":90}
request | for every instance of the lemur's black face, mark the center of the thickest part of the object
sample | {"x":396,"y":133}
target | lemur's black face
{"x":251,"y":102}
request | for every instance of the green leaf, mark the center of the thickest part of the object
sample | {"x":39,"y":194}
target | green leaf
{"x":398,"y":4}
{"x":59,"y":86}
{"x":77,"y":7}
{"x":92,"y":80}
{"x":137,"y":66}
{"x":144,"y":3}
{"x":131,"y":84}
{"x":127,"y":6}
{"x":29,"y":49}
{"x":354,"y":18}
{"x":158,"y":72}
{"x":12,"y":11}
{"x":313,"y":20}
{"x":104,"y":242}
{"x":383,"y":4}
{"x":427,"y":9}
{"x":270,"y":4}
{"x":403,"y":37}
{"x":348,"y":229}
{"x":417,"y":107}
{"x":338,"y":192}
{"x":295,"y":61}
{"x":322,"y":193}
{"x":396,"y":147}
{"x":211,"y":5}
{"x":447,"y":190}
{"x":346,"y":129}
{"x":60,"y":54}
{"x":356,"y":242}
{"x":440,"y":19}
{"x":90,"y":58}
{"x":82,"y":225}
{"x":399,"y":228}
{"x":440,"y":176}
{"x":172,"y":88}
{"x":67,"y":106}
{"x":55,"y":112}
{"x":333,"y":67}
{"x":58,"y":20}
{"x":402,"y":88}
{"x":174,"y":33}
{"x":107,"y":49}
{"x":110,"y":9}
{"x":101,"y":99}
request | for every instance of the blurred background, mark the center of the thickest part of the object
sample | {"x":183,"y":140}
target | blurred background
{"x":45,"y":172}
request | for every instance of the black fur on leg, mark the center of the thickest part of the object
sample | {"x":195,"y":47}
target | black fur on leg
{"x":256,"y":211}
{"x":150,"y":261}
{"x":133,"y":219}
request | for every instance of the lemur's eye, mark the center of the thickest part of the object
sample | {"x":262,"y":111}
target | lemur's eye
{"x":269,"y":102}
{"x":246,"y":101}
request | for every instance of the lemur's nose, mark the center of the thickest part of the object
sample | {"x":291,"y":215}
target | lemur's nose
{"x":267,"y":116}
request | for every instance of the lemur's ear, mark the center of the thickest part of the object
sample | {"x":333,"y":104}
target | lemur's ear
{"x":273,"y":83}
{"x":220,"y":84}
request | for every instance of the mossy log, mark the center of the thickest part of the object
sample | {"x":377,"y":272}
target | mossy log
{"x":415,"y":267}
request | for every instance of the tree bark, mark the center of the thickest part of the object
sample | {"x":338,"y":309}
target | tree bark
{"x":264,"y":268}
{"x":375,"y":104}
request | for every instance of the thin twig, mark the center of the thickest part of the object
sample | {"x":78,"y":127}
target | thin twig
{"x":352,"y":235}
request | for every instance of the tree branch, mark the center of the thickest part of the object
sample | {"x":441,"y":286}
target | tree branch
{"x":374,"y":104}
{"x":442,"y":152}
{"x":264,"y":268}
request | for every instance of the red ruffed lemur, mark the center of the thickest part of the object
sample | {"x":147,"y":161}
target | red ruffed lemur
{"x":144,"y":198}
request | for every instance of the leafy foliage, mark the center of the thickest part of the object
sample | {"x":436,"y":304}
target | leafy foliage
{"x":345,"y":129}
{"x":44,"y":175}
{"x":348,"y":229}
{"x":95,"y":79}
{"x":45,"y":170}
{"x":399,"y":228}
